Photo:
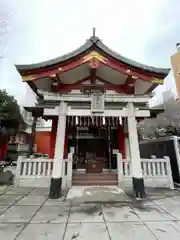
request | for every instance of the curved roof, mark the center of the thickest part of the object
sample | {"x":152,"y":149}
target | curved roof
{"x":93,"y":42}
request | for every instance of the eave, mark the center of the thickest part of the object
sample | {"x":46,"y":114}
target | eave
{"x":96,"y":44}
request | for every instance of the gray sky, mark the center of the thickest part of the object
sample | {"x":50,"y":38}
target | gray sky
{"x":37,"y":30}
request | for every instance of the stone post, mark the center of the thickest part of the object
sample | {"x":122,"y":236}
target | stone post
{"x":56,"y":180}
{"x":137,"y":178}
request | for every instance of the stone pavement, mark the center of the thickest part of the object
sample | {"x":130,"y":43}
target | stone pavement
{"x":27,"y":213}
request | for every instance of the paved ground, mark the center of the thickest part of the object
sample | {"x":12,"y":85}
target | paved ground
{"x":28,"y":214}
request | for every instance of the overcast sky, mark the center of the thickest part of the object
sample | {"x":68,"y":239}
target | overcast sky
{"x":37,"y":30}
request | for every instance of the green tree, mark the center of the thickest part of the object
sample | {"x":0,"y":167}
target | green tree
{"x":10,"y":117}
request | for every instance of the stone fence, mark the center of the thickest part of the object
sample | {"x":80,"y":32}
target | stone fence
{"x":156,"y":172}
{"x":36,"y":172}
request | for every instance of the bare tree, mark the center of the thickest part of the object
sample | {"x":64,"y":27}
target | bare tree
{"x":166,"y":123}
{"x":5,"y":17}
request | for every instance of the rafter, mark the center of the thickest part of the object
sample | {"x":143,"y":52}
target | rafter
{"x":68,"y":87}
{"x":93,"y":75}
{"x":75,"y":85}
{"x":103,"y":80}
{"x":129,"y":85}
{"x":58,"y":79}
{"x":127,"y":70}
{"x":119,"y":88}
{"x":151,"y":88}
{"x":57,"y":70}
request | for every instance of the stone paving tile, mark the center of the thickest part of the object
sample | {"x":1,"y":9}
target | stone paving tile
{"x":86,"y":213}
{"x":165,"y":230}
{"x":3,"y":189}
{"x":145,"y":203}
{"x":10,"y":231}
{"x":86,"y":231}
{"x":18,"y":214}
{"x":19,"y":191}
{"x":171,"y":192}
{"x":119,"y":213}
{"x":57,"y":202}
{"x":3,"y":208}
{"x":32,"y":200}
{"x":156,"y":197}
{"x":91,"y":194}
{"x":40,"y":192}
{"x":123,"y":220}
{"x":43,"y":232}
{"x":153,"y":213}
{"x":155,"y":191}
{"x":165,"y":200}
{"x":172,"y":209}
{"x":51,"y":214}
{"x":176,"y":198}
{"x":9,"y":199}
{"x":128,"y":231}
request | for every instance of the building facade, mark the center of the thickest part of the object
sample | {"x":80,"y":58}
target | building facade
{"x":175,"y":63}
{"x":94,"y":97}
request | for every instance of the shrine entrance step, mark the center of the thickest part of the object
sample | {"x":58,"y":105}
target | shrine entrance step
{"x":90,"y":179}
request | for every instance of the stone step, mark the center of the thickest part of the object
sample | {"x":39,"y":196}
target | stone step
{"x":95,"y":183}
{"x":83,"y":179}
{"x":94,"y":179}
{"x":94,"y":175}
{"x":103,"y":173}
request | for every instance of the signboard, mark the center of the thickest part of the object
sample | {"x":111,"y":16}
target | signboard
{"x":97,"y":102}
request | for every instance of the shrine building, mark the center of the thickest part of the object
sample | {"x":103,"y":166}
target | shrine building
{"x":94,"y":97}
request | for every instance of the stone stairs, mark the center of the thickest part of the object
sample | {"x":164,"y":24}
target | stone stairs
{"x":90,"y":179}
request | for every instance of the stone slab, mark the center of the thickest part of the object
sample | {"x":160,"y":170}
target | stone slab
{"x":155,"y":191}
{"x":32,"y":200}
{"x":20,"y":191}
{"x":57,"y":202}
{"x":169,"y":192}
{"x":172,"y":209}
{"x":96,"y":194}
{"x":119,"y":213}
{"x":165,"y":200}
{"x":128,"y":231}
{"x":42,"y":232}
{"x":18,"y":214}
{"x":165,"y":230}
{"x":40,"y":192}
{"x":3,"y":189}
{"x":86,"y":213}
{"x":10,"y":231}
{"x":153,"y":213}
{"x":3,"y":208}
{"x":9,"y":199}
{"x":86,"y":231}
{"x":51,"y":214}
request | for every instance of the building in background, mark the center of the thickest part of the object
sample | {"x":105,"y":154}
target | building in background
{"x":43,"y":132}
{"x":175,"y":62}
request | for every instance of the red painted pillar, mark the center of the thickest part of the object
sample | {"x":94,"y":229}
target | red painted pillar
{"x":121,"y":140}
{"x":53,"y":137}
